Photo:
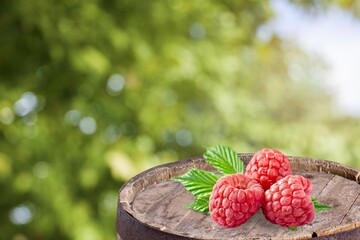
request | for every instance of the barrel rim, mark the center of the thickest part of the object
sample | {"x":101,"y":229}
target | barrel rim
{"x":299,"y":162}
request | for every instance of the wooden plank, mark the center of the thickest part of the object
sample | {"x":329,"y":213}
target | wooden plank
{"x":341,"y":194}
{"x":202,"y":225}
{"x":353,"y":215}
{"x":162,"y":204}
{"x":319,"y":181}
{"x":264,"y":229}
{"x":153,"y":195}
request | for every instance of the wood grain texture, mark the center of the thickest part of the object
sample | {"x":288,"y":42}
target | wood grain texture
{"x":151,"y":206}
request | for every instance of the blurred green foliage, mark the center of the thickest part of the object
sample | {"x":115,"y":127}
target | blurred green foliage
{"x":93,"y":92}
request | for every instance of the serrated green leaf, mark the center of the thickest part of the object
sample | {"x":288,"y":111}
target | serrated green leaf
{"x":224,"y":159}
{"x":320,"y":207}
{"x":198,"y":182}
{"x":200,"y":204}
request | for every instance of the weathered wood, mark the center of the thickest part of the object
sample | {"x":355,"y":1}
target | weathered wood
{"x":151,"y":206}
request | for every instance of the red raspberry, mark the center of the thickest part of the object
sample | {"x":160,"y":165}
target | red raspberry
{"x":267,"y":166}
{"x":234,"y":199}
{"x":288,"y":202}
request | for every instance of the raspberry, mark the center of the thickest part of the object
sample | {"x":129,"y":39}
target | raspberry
{"x":267,"y":166}
{"x":288,"y":202}
{"x":234,"y":199}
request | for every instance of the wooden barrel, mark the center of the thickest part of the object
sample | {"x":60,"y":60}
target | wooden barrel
{"x":151,"y":206}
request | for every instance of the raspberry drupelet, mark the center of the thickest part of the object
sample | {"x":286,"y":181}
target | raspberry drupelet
{"x":288,"y":202}
{"x":267,"y":166}
{"x":234,"y":199}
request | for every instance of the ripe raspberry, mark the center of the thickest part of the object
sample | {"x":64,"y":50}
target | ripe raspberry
{"x":267,"y":166}
{"x":234,"y":199}
{"x":288,"y":202}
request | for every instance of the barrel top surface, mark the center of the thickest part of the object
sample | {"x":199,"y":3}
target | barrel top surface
{"x":154,"y":200}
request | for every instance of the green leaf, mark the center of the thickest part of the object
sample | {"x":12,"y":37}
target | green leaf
{"x":198,"y":182}
{"x":293,"y":228}
{"x":201,"y":204}
{"x":224,"y":159}
{"x":320,"y":207}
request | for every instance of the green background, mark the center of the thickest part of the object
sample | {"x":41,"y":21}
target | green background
{"x":93,"y":92}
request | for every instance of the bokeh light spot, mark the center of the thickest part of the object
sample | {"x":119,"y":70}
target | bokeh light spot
{"x":121,"y":166}
{"x":73,"y":117}
{"x":41,"y":170}
{"x":197,"y":31}
{"x":110,"y":134}
{"x":6,"y":116}
{"x":115,"y":84}
{"x":183,"y":137}
{"x":26,"y":104}
{"x":87,"y":125}
{"x":21,"y":214}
